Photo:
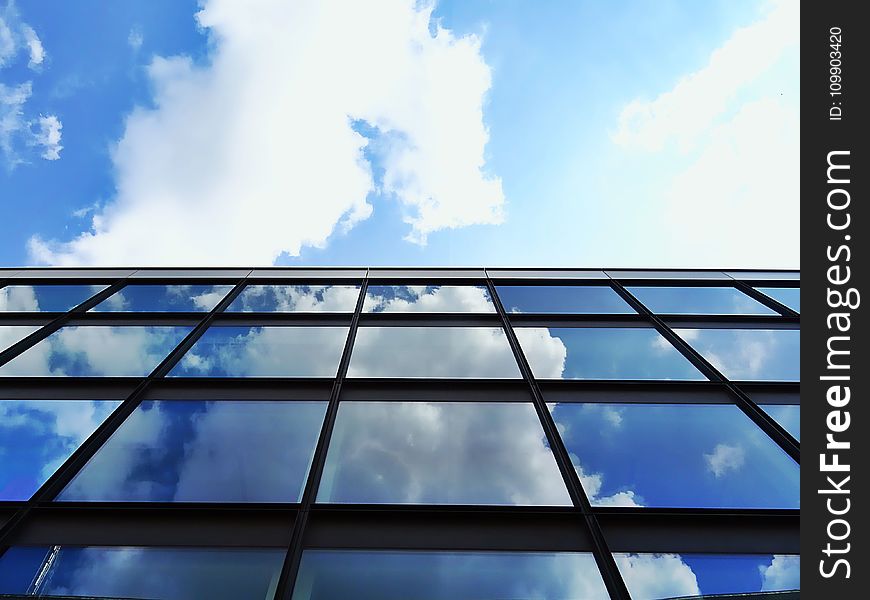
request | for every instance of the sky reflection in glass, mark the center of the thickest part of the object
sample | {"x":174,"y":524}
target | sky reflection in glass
{"x":676,"y":455}
{"x":264,"y":352}
{"x":164,"y":298}
{"x":45,"y":298}
{"x":12,"y":334}
{"x":460,"y":352}
{"x":296,"y":298}
{"x":791,"y":297}
{"x":428,"y":299}
{"x":441,"y":575}
{"x":562,"y":299}
{"x":698,"y":301}
{"x":483,"y":453}
{"x":97,"y":351}
{"x":749,"y":354}
{"x":602,"y":353}
{"x":661,"y":576}
{"x":201,"y":451}
{"x":787,"y":415}
{"x":151,"y":573}
{"x":37,"y":436}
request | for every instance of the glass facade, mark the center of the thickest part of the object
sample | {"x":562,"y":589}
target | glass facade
{"x":318,"y":434}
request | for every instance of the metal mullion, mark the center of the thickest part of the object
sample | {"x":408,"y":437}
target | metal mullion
{"x":601,"y":552}
{"x":779,"y":435}
{"x":46,"y":330}
{"x":766,"y":300}
{"x":293,"y":558}
{"x":64,"y":474}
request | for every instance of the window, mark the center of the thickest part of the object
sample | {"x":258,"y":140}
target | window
{"x":791,"y":297}
{"x":562,"y":299}
{"x":698,"y":301}
{"x":749,"y":354}
{"x":296,"y":298}
{"x":45,"y":298}
{"x":440,"y":453}
{"x":428,"y":298}
{"x":787,"y":415}
{"x":164,"y":298}
{"x":12,"y":334}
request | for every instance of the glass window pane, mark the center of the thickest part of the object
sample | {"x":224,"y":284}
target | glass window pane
{"x":432,"y":352}
{"x":666,"y":576}
{"x":440,"y":575}
{"x":201,"y":451}
{"x":296,"y":298}
{"x":37,"y":436}
{"x":755,"y":275}
{"x":545,"y":274}
{"x":562,"y":299}
{"x":602,"y":353}
{"x":749,"y":354}
{"x":787,"y":415}
{"x":45,"y":298}
{"x":676,"y":455}
{"x":666,"y":274}
{"x":144,"y":573}
{"x":12,"y":334}
{"x":791,"y":297}
{"x":164,"y":298}
{"x":97,"y":351}
{"x":699,"y":301}
{"x":428,"y":298}
{"x":440,"y":453}
{"x":264,"y":352}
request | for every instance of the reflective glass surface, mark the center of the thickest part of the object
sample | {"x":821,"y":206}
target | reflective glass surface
{"x":45,"y":298}
{"x":791,"y":297}
{"x":12,"y":334}
{"x":755,"y":275}
{"x":150,"y":573}
{"x":201,"y":451}
{"x":164,"y":298}
{"x":749,"y":354}
{"x":562,"y":299}
{"x":698,"y":301}
{"x":661,"y":576}
{"x":432,"y":352}
{"x":787,"y":415}
{"x":428,"y":298}
{"x":296,"y":298}
{"x":97,"y":351}
{"x":437,"y":575}
{"x":602,"y":353}
{"x":440,"y":453}
{"x":37,"y":436}
{"x":676,"y":455}
{"x":264,"y":352}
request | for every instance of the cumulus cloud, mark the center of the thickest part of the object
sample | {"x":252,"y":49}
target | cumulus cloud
{"x":34,"y":46}
{"x":725,"y":458}
{"x":445,"y":298}
{"x":47,"y":136}
{"x":654,"y":576}
{"x":783,"y":573}
{"x":264,"y":140}
{"x":592,"y":483}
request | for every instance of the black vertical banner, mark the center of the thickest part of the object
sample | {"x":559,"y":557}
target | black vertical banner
{"x":835,"y":434}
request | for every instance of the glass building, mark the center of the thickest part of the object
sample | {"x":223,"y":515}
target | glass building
{"x":436,"y":434}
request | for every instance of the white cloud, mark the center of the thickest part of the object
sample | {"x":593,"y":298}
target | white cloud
{"x":261,"y":140}
{"x":592,"y":483}
{"x":48,"y":136}
{"x":783,"y":573}
{"x":34,"y":46}
{"x":725,"y":458}
{"x":654,"y":576}
{"x":135,"y":39}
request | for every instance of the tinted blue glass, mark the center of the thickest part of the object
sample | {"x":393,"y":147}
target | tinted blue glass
{"x":698,"y":301}
{"x":787,"y":415}
{"x":45,"y":298}
{"x":264,"y":352}
{"x":37,"y":436}
{"x":144,"y":573}
{"x":791,"y":297}
{"x":602,"y":353}
{"x":661,"y":576}
{"x":440,"y":453}
{"x":676,"y":455}
{"x":749,"y":354}
{"x":428,"y":298}
{"x":296,"y":298}
{"x":97,"y":351}
{"x":11,"y":334}
{"x":164,"y":298}
{"x":563,"y":299}
{"x":200,"y":451}
{"x":426,"y":575}
{"x":432,"y":352}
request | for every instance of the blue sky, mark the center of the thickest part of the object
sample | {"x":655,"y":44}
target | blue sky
{"x":499,"y":133}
